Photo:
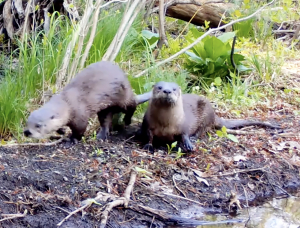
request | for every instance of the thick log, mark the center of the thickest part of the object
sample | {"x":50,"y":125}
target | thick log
{"x":206,"y":10}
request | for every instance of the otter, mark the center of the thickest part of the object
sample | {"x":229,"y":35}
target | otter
{"x":101,"y":88}
{"x":172,"y":116}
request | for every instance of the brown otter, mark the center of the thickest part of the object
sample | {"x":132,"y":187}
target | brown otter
{"x":172,"y":116}
{"x":100,"y":88}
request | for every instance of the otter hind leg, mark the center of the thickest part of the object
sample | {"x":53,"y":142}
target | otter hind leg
{"x":128,"y":114}
{"x":105,"y":119}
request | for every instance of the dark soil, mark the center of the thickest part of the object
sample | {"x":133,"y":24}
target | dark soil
{"x":50,"y":181}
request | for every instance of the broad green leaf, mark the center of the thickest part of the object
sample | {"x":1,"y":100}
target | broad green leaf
{"x":214,"y":48}
{"x":148,"y":34}
{"x":224,"y":129}
{"x":200,"y":50}
{"x":242,"y":68}
{"x":226,"y":36}
{"x":218,"y":81}
{"x":194,"y":57}
{"x":233,"y":138}
{"x":174,"y":144}
{"x":220,"y":133}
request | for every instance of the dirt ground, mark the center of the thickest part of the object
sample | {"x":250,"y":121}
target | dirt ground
{"x":50,"y":181}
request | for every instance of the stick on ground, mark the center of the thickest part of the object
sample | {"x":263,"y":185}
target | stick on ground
{"x":115,"y":201}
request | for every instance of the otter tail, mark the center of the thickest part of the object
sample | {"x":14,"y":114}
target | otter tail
{"x":141,"y":98}
{"x":235,"y":123}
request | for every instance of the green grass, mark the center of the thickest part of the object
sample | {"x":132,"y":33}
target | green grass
{"x":39,"y":57}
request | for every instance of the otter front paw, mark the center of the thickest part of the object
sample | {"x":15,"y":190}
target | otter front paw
{"x":149,"y":147}
{"x":187,"y":143}
{"x":189,"y":146}
{"x":68,"y":142}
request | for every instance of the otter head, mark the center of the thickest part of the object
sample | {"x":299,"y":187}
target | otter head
{"x":166,"y":93}
{"x":42,"y":122}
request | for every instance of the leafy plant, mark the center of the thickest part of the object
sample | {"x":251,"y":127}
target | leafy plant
{"x":223,"y":133}
{"x":150,"y":39}
{"x":211,"y":57}
{"x":178,"y":152}
{"x":170,"y":148}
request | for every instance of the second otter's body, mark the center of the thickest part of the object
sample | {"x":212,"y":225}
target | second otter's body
{"x":172,"y":116}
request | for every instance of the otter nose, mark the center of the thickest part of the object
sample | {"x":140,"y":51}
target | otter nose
{"x":27,"y":133}
{"x":167,"y":91}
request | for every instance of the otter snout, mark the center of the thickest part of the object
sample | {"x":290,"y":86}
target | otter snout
{"x":167,"y":91}
{"x":27,"y":133}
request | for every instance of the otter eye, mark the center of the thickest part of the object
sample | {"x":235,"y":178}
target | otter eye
{"x":159,"y":87}
{"x":174,"y":89}
{"x":37,"y":125}
{"x":52,"y":117}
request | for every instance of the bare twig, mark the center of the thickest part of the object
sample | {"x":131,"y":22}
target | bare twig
{"x":240,"y":132}
{"x":33,"y":144}
{"x":74,"y":212}
{"x":180,"y":197}
{"x":80,"y":29}
{"x":202,"y":37}
{"x":162,"y":33}
{"x":92,"y":35}
{"x":127,"y":20}
{"x":178,"y":187}
{"x":238,"y":171}
{"x":13,"y":216}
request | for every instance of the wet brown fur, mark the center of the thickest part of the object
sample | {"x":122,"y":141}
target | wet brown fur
{"x":101,"y":88}
{"x":190,"y":115}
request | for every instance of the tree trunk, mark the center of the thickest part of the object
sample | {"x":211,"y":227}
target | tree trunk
{"x":18,"y":17}
{"x":201,"y":11}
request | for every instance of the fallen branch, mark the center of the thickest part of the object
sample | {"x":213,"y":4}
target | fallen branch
{"x":201,"y":38}
{"x":175,"y":2}
{"x":13,"y":216}
{"x":121,"y":201}
{"x":34,"y":144}
{"x":240,"y":132}
{"x":115,"y":201}
{"x":235,"y":172}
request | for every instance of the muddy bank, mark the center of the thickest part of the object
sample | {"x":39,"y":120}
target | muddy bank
{"x":49,"y":182}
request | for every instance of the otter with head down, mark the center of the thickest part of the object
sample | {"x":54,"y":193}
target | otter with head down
{"x":102,"y":88}
{"x":172,"y":116}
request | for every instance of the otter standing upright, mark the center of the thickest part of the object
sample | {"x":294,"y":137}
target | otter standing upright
{"x":172,"y":116}
{"x":102,"y":88}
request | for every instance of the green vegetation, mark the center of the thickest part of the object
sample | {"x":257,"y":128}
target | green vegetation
{"x":31,"y":70}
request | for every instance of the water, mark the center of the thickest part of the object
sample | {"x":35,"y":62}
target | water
{"x":277,"y":213}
